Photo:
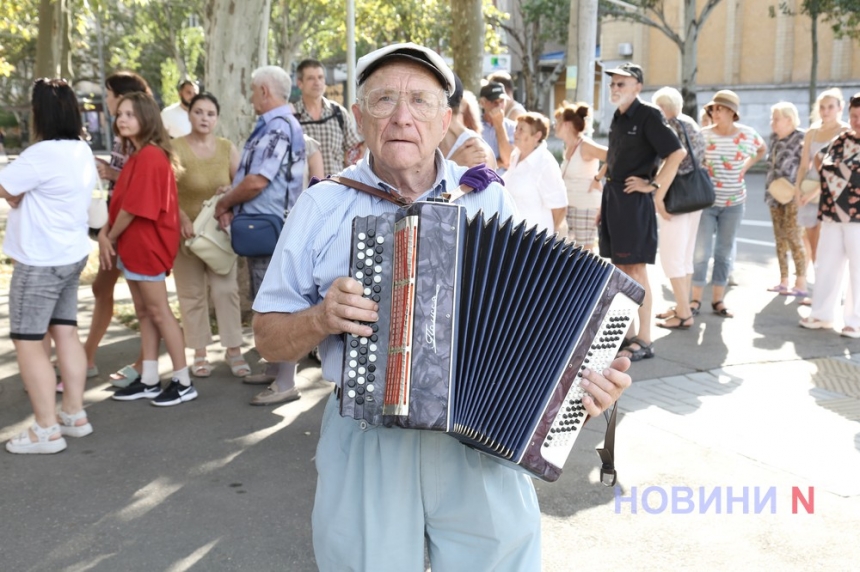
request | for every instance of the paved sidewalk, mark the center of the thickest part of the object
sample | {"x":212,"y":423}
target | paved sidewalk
{"x":218,"y":485}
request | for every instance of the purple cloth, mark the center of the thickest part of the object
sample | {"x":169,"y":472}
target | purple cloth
{"x":479,"y":177}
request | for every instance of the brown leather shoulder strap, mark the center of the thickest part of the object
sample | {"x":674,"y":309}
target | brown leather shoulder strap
{"x":359,"y":186}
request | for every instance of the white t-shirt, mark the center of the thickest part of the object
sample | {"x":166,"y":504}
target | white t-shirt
{"x":536,"y":187}
{"x":49,"y":226}
{"x":176,"y":120}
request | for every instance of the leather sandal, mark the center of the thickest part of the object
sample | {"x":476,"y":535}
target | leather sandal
{"x":69,"y":426}
{"x":238,"y":366}
{"x":201,"y":367}
{"x":721,"y":310}
{"x":670,"y":313}
{"x":695,"y":311}
{"x":43,"y":444}
{"x":683,"y":323}
{"x":644,"y":351}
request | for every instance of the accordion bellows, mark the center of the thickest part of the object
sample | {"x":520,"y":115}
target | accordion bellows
{"x":484,"y":328}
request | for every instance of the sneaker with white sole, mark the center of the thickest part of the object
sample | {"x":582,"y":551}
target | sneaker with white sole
{"x":175,"y":394}
{"x":137,"y":390}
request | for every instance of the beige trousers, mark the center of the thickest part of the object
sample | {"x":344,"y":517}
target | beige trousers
{"x":192,"y":278}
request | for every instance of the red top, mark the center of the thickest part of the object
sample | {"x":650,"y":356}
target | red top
{"x":146,"y":188}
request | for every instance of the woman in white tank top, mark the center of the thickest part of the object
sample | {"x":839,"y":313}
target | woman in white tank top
{"x":579,"y":169}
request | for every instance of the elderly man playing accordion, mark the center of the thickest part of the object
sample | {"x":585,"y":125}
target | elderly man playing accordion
{"x":381,"y":491}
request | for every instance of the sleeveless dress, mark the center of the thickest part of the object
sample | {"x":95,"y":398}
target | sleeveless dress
{"x":578,"y":174}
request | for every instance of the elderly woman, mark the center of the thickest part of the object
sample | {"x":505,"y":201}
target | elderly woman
{"x":839,"y":243}
{"x":49,"y":189}
{"x":786,"y":143}
{"x":730,"y":150}
{"x":677,"y":236}
{"x":534,"y":179}
{"x":579,"y":170}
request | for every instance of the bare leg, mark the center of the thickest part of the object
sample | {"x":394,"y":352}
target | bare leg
{"x":40,"y":381}
{"x":683,"y":313}
{"x":73,"y":363}
{"x":639,"y":272}
{"x":154,"y":298}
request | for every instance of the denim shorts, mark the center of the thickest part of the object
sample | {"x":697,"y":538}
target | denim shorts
{"x":43,"y":296}
{"x":134,"y":276}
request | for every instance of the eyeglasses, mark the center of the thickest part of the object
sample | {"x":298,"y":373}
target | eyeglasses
{"x":423,"y":104}
{"x":618,"y":84}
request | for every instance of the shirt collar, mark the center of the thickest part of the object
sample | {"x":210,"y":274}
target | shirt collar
{"x":632,"y":109}
{"x":279,"y":111}
{"x":439,"y":185}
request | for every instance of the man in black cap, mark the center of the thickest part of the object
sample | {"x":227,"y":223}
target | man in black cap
{"x":643,"y":157}
{"x":382,"y":491}
{"x":498,"y":130}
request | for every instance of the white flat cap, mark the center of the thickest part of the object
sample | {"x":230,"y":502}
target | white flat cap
{"x":413,"y":52}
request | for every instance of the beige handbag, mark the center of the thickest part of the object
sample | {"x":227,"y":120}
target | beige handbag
{"x":808,"y":186}
{"x":210,"y":243}
{"x":781,"y":190}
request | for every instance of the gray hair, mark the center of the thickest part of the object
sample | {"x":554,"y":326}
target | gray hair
{"x":275,"y":78}
{"x":668,"y":98}
{"x":787,"y":109}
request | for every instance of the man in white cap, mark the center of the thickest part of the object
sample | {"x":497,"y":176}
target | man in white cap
{"x":382,"y":491}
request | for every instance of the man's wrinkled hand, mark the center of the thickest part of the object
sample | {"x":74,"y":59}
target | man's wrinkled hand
{"x":604,"y":388}
{"x":344,"y":307}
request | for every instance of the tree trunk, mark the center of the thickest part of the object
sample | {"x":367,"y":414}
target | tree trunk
{"x":689,"y":58}
{"x":46,"y":61}
{"x":467,"y":42}
{"x":65,"y":40}
{"x":233,"y":39}
{"x":234,"y":36}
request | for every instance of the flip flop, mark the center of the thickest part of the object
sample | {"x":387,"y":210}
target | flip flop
{"x":795,"y":292}
{"x":778,"y":288}
{"x":124,"y":377}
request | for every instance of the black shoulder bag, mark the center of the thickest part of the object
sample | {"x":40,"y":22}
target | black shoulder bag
{"x":692,"y":191}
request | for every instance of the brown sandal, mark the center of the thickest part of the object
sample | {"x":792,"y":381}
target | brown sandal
{"x":695,"y":310}
{"x":721,"y":310}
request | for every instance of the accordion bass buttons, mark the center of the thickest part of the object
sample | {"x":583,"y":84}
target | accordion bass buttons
{"x":571,"y":414}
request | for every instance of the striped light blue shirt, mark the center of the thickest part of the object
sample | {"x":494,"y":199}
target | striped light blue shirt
{"x":314,"y":247}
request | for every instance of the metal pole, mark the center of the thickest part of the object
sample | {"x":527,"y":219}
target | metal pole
{"x":350,"y":53}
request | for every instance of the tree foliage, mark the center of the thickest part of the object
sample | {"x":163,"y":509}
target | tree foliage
{"x":653,"y":13}
{"x":543,"y":21}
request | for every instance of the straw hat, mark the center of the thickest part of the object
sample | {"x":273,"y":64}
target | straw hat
{"x":726,"y":98}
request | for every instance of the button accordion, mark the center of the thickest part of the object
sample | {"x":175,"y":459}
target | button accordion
{"x":485,"y":326}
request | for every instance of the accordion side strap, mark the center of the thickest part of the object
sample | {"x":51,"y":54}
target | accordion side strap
{"x":359,"y":186}
{"x":608,"y":476}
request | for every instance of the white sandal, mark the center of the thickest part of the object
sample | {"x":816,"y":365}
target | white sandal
{"x":68,"y":425}
{"x":44,"y":445}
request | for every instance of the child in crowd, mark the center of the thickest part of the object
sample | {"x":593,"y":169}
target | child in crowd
{"x":143,"y":232}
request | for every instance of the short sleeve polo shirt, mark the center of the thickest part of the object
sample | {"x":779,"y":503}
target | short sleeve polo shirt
{"x":638,"y":139}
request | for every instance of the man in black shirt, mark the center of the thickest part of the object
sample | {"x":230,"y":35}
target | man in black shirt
{"x":636,"y":182}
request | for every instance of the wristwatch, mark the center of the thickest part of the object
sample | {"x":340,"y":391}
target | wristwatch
{"x":656,"y":185}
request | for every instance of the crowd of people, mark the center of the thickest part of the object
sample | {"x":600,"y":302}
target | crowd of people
{"x":167,"y":166}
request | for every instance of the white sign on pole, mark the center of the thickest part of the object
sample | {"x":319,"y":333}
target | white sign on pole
{"x":501,"y":62}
